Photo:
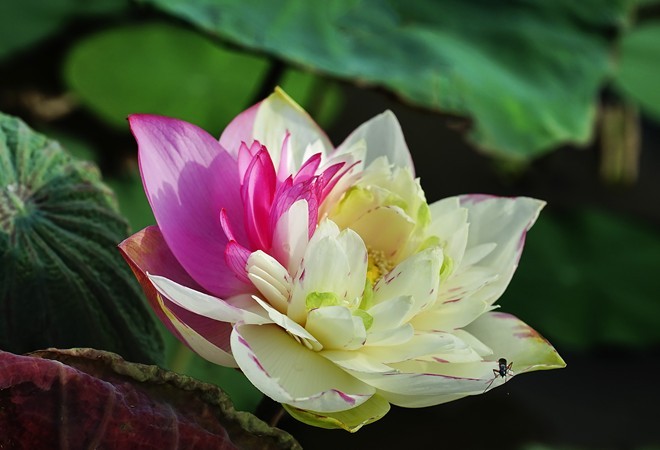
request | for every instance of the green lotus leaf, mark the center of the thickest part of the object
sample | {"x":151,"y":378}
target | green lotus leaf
{"x":527,"y":73}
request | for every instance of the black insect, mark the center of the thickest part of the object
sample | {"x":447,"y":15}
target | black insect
{"x":503,"y":370}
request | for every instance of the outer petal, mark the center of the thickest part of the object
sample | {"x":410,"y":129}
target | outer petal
{"x":511,"y":338}
{"x":204,"y":304}
{"x":349,"y":420}
{"x":188,"y":179}
{"x":503,"y":221}
{"x":508,"y":337}
{"x":279,"y":114}
{"x":421,"y":378}
{"x":450,"y":224}
{"x":146,"y":251}
{"x":239,"y":130}
{"x":290,"y":373}
{"x":383,"y":137}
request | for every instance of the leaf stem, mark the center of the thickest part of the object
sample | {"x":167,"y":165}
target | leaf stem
{"x":276,"y":417}
{"x":270,"y":81}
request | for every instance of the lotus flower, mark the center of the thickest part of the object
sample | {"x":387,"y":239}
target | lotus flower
{"x":321,"y":272}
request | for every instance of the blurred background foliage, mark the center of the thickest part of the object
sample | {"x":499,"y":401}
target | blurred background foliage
{"x":554,"y":99}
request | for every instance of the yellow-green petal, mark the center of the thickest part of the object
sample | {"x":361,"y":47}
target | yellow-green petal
{"x":350,"y":420}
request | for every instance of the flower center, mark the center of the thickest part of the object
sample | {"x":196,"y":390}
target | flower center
{"x":377,"y":266}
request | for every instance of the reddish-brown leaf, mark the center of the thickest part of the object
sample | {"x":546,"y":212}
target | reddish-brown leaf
{"x":83,"y":398}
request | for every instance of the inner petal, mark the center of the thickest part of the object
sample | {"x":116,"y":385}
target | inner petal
{"x":336,"y":328}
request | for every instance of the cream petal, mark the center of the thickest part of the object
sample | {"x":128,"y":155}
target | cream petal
{"x":279,"y":114}
{"x":511,"y":338}
{"x":505,"y":222}
{"x":390,"y":313}
{"x":196,"y":342}
{"x":290,"y":373}
{"x":419,"y":345}
{"x":291,"y":236}
{"x":417,"y":276}
{"x":357,"y":257}
{"x":334,"y":262}
{"x":388,"y":239}
{"x":350,"y":420}
{"x":393,"y":336}
{"x":450,"y":316}
{"x":421,"y":378}
{"x":203,"y":304}
{"x":272,"y":280}
{"x":356,"y":361}
{"x":479,"y":347}
{"x":336,"y":328}
{"x":420,"y":401}
{"x":265,"y":285}
{"x":464,"y":284}
{"x":384,"y":137}
{"x":449,"y":223}
{"x":290,"y":326}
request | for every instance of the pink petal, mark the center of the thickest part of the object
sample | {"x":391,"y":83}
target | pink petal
{"x":189,"y":178}
{"x":236,"y":257}
{"x":245,"y":156}
{"x":308,"y":168}
{"x":288,"y":193}
{"x":147,"y":251}
{"x":257,"y":190}
{"x":239,"y":130}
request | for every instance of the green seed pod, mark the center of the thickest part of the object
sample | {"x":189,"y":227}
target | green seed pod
{"x":62,"y":281}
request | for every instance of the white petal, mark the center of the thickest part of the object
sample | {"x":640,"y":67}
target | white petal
{"x":390,"y":313}
{"x":290,"y":326}
{"x":421,"y":401}
{"x":419,"y":345}
{"x":290,"y":373}
{"x":384,"y":137}
{"x":389,"y":238}
{"x":419,"y":378}
{"x":511,"y":338}
{"x":356,"y":360}
{"x":279,"y":114}
{"x":197,"y":342}
{"x":466,"y":283}
{"x":458,"y":302}
{"x":334,"y":262}
{"x":393,"y":336}
{"x":479,"y":347}
{"x":456,"y":350}
{"x":203,"y":304}
{"x":445,"y":206}
{"x":450,"y":316}
{"x":336,"y":328}
{"x":452,"y":229}
{"x":503,"y":221}
{"x":357,"y":257}
{"x":272,"y":280}
{"x":291,"y":236}
{"x":475,"y":254}
{"x":417,"y":276}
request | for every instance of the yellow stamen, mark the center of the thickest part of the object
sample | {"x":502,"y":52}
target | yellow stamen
{"x":377,"y":266}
